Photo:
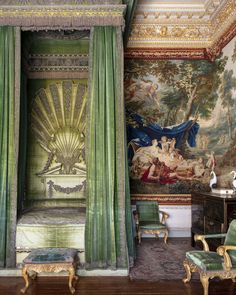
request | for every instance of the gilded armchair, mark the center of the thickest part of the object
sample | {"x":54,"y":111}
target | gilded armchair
{"x":209,"y":264}
{"x":148,"y":221}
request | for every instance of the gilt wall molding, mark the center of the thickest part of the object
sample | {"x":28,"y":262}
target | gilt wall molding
{"x":60,"y":17}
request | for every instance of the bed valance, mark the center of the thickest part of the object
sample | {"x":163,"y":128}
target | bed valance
{"x":40,"y":14}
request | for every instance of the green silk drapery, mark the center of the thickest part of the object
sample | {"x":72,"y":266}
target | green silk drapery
{"x":108,"y":233}
{"x":22,"y":143}
{"x":129,"y":14}
{"x":8,"y":144}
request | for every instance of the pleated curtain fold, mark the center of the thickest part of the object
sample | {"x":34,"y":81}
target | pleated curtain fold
{"x":108,"y":233}
{"x":9,"y":130}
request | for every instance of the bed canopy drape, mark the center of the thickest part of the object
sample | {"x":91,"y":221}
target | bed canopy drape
{"x":105,"y":233}
{"x":9,"y":137}
{"x":108,"y":234}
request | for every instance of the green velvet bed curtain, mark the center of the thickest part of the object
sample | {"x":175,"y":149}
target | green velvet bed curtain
{"x":131,"y":5}
{"x":9,"y":112}
{"x":108,"y":234}
{"x":22,"y":143}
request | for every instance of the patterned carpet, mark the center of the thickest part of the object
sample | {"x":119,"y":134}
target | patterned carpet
{"x":157,"y":261}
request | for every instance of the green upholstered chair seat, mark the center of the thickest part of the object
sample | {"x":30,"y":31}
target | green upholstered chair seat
{"x":211,"y":264}
{"x":206,"y":261}
{"x":51,"y":255}
{"x":151,"y":225}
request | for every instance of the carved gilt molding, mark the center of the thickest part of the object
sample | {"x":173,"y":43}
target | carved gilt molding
{"x":191,"y":30}
{"x":209,"y":53}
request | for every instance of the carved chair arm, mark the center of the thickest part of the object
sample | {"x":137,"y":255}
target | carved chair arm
{"x":222,"y":251}
{"x":204,"y":242}
{"x":164,"y":216}
{"x":203,"y":238}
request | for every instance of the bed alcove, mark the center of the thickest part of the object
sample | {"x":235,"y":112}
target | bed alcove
{"x":52,"y":141}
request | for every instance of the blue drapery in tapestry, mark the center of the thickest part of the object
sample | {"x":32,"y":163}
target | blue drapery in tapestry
{"x":143,"y":134}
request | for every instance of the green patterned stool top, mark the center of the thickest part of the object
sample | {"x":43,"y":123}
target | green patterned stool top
{"x":51,"y":255}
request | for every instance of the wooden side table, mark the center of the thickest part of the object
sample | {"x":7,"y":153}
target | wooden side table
{"x":50,"y":260}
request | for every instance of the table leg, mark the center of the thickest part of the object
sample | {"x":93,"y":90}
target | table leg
{"x":26,"y":278}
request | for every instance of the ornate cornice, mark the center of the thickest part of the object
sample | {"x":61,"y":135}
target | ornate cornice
{"x":209,"y":53}
{"x":58,"y":16}
{"x":213,"y":51}
{"x":196,"y":29}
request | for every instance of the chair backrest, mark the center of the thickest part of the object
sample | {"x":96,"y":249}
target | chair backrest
{"x":231,"y":234}
{"x":148,"y":211}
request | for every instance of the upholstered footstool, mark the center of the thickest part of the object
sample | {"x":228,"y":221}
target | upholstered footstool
{"x":50,"y":260}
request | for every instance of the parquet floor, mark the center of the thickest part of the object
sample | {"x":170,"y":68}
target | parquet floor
{"x":112,"y":286}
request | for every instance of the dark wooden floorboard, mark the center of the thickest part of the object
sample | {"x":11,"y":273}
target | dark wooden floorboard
{"x":112,"y":286}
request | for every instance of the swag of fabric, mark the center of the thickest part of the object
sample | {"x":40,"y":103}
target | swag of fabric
{"x":8,"y":144}
{"x":108,"y":233}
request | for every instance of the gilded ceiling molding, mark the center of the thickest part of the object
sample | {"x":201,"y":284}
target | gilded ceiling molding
{"x":223,"y":21}
{"x":217,"y":47}
{"x":209,"y":53}
{"x":198,"y":29}
{"x":72,"y":16}
{"x":225,"y":13}
{"x":169,"y":34}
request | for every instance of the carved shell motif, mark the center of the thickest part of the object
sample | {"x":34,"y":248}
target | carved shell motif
{"x":58,"y":122}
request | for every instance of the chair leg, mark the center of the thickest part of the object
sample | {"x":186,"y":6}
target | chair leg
{"x":205,"y":283}
{"x":166,"y":236}
{"x":188,"y":272}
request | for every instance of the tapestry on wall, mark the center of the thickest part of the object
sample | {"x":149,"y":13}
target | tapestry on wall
{"x":180,"y":123}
